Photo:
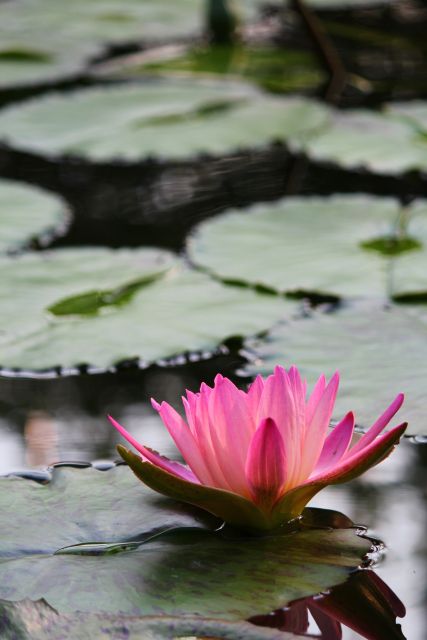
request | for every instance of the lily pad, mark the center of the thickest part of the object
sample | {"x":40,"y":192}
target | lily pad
{"x":28,"y":213}
{"x":379,"y":352}
{"x":340,"y":245}
{"x":37,"y":621}
{"x":100,"y":307}
{"x":175,"y":119}
{"x":44,"y":40}
{"x":414,"y":113}
{"x":362,"y":139}
{"x":187,"y":571}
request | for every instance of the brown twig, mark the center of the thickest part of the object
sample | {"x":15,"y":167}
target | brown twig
{"x":325,"y":49}
{"x":331,"y":60}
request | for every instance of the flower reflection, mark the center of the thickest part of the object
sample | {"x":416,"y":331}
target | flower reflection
{"x":364,"y":603}
{"x":41,"y":438}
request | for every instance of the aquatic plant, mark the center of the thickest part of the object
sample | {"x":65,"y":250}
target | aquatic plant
{"x":255,"y":459}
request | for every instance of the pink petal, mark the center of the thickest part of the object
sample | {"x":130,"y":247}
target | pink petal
{"x":317,"y":428}
{"x":175,"y":468}
{"x":336,"y":444}
{"x":184,"y":440}
{"x":265,"y":464}
{"x":253,"y":395}
{"x":231,"y":431}
{"x":278,"y":402}
{"x":379,"y":425}
{"x":350,"y":463}
{"x":317,"y":393}
{"x":205,"y":435}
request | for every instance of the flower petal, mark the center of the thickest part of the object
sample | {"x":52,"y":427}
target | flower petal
{"x":316,"y":394}
{"x":231,"y":431}
{"x":379,"y":425}
{"x":265,"y":464}
{"x":253,"y":395}
{"x":152,"y":456}
{"x":336,"y":444}
{"x":317,"y":428}
{"x":278,"y":402}
{"x":184,"y":440}
{"x":354,"y":465}
{"x":228,"y":506}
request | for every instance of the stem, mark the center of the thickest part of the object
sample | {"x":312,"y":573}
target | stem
{"x":331,"y":60}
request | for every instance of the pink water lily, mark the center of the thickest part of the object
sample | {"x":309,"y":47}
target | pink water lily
{"x":256,"y":458}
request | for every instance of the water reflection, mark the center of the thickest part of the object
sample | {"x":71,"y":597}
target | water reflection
{"x":46,"y":421}
{"x":41,"y":439}
{"x":364,"y":604}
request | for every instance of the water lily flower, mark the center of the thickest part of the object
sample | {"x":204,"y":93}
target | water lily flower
{"x":255,"y":459}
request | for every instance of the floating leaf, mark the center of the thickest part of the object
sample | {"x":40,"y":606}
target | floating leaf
{"x":174,"y":119}
{"x":100,"y":307}
{"x":28,"y":213}
{"x":378,"y":351}
{"x":37,"y":621}
{"x":362,"y":139}
{"x":185,"y":571}
{"x":48,"y":40}
{"x":339,"y":245}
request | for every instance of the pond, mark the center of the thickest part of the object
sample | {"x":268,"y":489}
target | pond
{"x":187,"y":191}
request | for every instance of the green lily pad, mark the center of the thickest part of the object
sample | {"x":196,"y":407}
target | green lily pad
{"x":379,"y":352}
{"x":37,"y":621}
{"x":339,"y":245}
{"x":190,"y":570}
{"x":100,"y":307}
{"x":172,"y":118}
{"x":362,"y":139}
{"x":45,"y":40}
{"x":28,"y":213}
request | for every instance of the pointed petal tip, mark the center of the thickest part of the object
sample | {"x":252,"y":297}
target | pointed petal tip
{"x":115,"y":424}
{"x":155,"y":404}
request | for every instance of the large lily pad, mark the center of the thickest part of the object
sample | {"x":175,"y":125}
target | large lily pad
{"x":43,"y":40}
{"x":188,"y":571}
{"x":378,"y":351}
{"x":100,"y":307}
{"x":175,"y":119}
{"x":28,"y":213}
{"x":342,"y":245}
{"x":369,"y":140}
{"x":37,"y":621}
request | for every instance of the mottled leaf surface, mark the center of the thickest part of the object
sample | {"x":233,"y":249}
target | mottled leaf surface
{"x":37,"y":621}
{"x":42,"y":40}
{"x":100,"y":306}
{"x":339,"y":245}
{"x":169,"y":118}
{"x":362,"y":139}
{"x":188,"y":571}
